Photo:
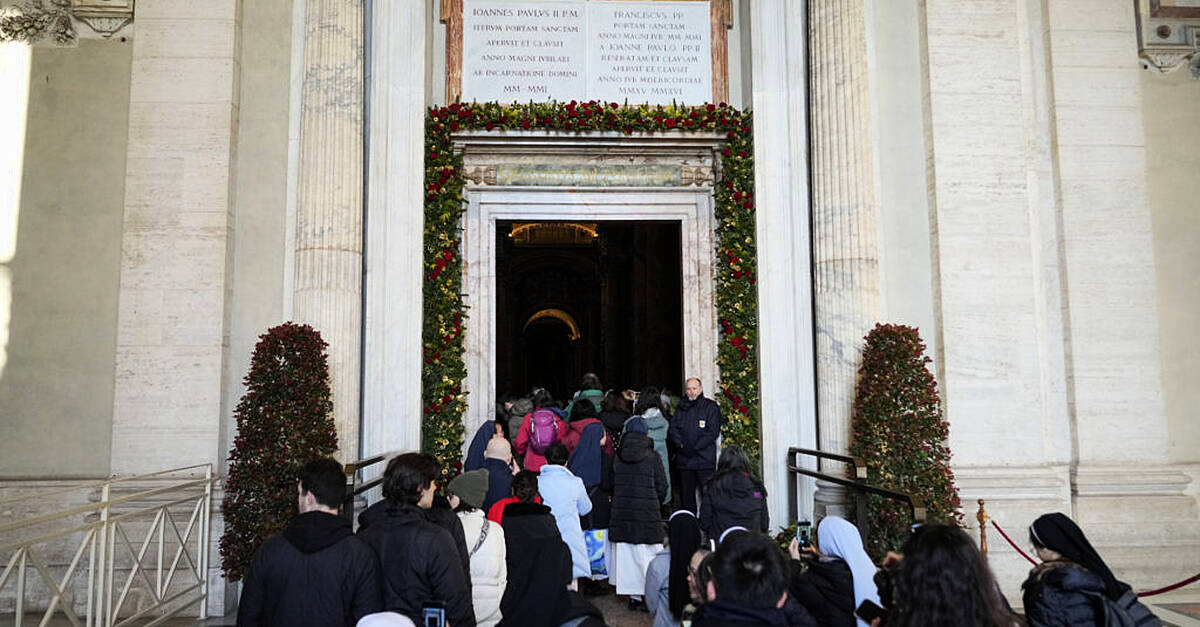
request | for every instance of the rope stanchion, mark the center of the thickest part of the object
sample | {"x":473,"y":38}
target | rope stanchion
{"x":1148,"y":593}
{"x":1174,"y":586}
{"x":1014,"y":544}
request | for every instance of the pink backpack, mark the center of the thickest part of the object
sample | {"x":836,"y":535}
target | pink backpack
{"x":543,"y":431}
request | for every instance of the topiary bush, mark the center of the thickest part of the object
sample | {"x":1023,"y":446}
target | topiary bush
{"x":284,"y":420}
{"x":898,"y":429}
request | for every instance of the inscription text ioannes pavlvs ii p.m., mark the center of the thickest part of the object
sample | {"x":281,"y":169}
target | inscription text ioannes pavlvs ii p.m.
{"x":636,"y":52}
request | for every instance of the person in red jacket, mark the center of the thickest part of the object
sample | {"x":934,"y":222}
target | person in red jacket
{"x":534,"y":448}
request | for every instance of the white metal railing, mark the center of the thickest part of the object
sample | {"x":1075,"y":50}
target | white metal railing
{"x":174,"y":579}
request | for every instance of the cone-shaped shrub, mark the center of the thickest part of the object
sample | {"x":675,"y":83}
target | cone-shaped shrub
{"x":898,"y":429}
{"x":284,"y":421}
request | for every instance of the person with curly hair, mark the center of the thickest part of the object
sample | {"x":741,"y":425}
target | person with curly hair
{"x":943,"y":581}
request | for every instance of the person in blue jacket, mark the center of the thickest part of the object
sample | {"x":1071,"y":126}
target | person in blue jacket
{"x":564,"y":493}
{"x":694,"y":431}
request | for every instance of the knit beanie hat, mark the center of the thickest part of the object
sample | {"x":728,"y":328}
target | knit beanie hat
{"x":470,"y":487}
{"x":636,"y":425}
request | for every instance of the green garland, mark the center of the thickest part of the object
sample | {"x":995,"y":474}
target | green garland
{"x":443,"y":400}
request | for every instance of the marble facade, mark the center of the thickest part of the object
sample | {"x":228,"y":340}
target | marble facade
{"x":983,"y":173}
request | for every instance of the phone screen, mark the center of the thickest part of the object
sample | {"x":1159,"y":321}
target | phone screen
{"x":868,"y":610}
{"x":433,"y":617}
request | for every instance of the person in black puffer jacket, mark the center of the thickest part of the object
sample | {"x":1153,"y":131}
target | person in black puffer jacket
{"x":733,"y":497}
{"x":419,"y":560}
{"x":1073,"y":586}
{"x":635,"y":523}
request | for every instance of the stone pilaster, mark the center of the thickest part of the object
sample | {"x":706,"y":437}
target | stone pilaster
{"x":782,"y":230}
{"x":845,"y":255}
{"x":173,"y":318}
{"x":329,"y":213}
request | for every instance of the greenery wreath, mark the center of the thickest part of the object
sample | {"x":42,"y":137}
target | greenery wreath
{"x":443,"y":400}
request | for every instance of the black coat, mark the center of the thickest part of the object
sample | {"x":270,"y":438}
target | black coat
{"x":722,"y":614}
{"x":314,"y":573}
{"x":639,"y":486}
{"x":539,"y":568}
{"x":733,"y":499}
{"x":826,"y":590}
{"x":420,"y":564}
{"x":499,"y":482}
{"x":1063,"y":594}
{"x":439,"y":514}
{"x":601,"y":497}
{"x":696,"y":444}
{"x":614,"y":422}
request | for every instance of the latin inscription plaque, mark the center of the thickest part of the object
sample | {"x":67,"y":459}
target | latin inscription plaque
{"x":614,"y":51}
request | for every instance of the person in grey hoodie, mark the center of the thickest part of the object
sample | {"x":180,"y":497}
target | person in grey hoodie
{"x":649,"y":408}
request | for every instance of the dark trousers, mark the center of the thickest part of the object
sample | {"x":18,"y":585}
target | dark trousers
{"x":690,"y":481}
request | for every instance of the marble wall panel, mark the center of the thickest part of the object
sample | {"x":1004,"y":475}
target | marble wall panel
{"x":1107,"y":244}
{"x":172,"y":316}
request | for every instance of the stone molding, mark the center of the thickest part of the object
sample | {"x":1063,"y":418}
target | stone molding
{"x":553,"y":159}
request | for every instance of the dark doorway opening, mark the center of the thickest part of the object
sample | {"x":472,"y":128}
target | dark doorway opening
{"x":603,"y":297}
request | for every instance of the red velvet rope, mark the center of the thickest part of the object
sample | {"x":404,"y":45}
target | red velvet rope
{"x":1148,"y":593}
{"x":1174,"y":586}
{"x":1014,"y":544}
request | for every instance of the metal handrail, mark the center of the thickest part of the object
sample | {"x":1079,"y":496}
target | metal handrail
{"x":354,"y":481}
{"x":173,"y":582}
{"x":97,"y":483}
{"x":83,"y":509}
{"x":858,"y":484}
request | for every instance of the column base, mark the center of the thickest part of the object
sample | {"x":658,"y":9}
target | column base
{"x":831,"y":499}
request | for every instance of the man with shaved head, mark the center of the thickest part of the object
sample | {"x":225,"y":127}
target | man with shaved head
{"x":498,"y":461}
{"x":694,"y":430}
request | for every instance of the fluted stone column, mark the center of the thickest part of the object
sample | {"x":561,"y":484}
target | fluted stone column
{"x":845,"y":256}
{"x":329,"y":213}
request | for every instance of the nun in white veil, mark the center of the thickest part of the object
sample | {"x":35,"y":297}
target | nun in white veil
{"x":839,"y":574}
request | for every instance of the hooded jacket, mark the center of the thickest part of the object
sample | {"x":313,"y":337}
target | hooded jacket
{"x":694,"y":431}
{"x":657,"y":427}
{"x":564,"y":493}
{"x":539,"y":568}
{"x":315,"y":573}
{"x":595,"y":396}
{"x":639,"y":486}
{"x":420,"y":563}
{"x":733,"y":499}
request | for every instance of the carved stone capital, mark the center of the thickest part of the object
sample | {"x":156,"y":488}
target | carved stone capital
{"x":1168,"y":37}
{"x":55,"y":22}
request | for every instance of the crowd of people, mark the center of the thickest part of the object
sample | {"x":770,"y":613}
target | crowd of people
{"x":557,"y":504}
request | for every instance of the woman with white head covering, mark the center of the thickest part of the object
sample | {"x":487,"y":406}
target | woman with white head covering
{"x":839,"y":574}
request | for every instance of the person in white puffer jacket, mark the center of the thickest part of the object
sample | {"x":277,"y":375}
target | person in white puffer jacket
{"x":485,"y":543}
